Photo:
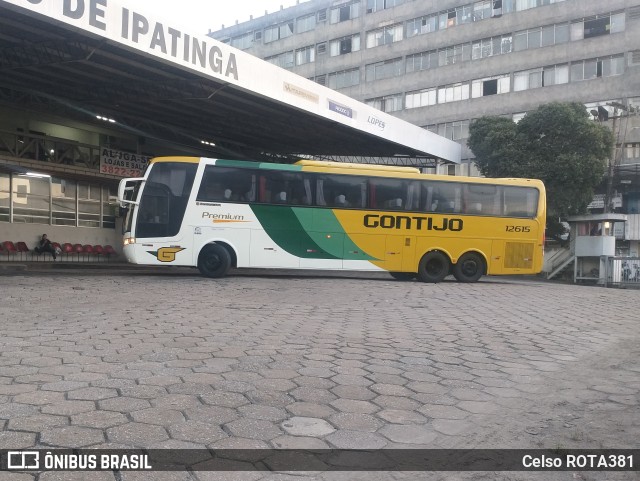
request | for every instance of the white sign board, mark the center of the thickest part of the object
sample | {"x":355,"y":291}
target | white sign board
{"x":122,"y":164}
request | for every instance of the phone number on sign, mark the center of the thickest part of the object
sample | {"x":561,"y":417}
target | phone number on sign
{"x":121,"y":171}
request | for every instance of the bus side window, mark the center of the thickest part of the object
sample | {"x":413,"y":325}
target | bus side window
{"x":520,"y":201}
{"x":389,"y":194}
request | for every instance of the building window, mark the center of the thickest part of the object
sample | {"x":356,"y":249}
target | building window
{"x":382,"y":70}
{"x":598,"y":67}
{"x":376,"y":5}
{"x":421,"y":98}
{"x":555,"y":75}
{"x":56,"y":201}
{"x":490,"y":86}
{"x":277,"y":32}
{"x":344,"y":79}
{"x":342,"y":46}
{"x":422,"y":61}
{"x":527,"y":79}
{"x":421,"y":25}
{"x":283,"y":60}
{"x":384,"y":36}
{"x":453,"y":93}
{"x":243,"y":42}
{"x":389,"y":103}
{"x":306,"y":23}
{"x":346,"y":12}
{"x":455,"y":54}
{"x":305,"y":55}
{"x":632,"y":151}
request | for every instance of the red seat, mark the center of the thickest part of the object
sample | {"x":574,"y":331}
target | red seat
{"x":98,"y":250}
{"x":110,"y":251}
{"x":9,"y":248}
{"x":22,"y":248}
{"x":77,"y":249}
{"x":87,"y":249}
{"x":67,"y":249}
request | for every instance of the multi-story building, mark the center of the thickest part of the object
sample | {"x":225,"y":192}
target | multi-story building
{"x":441,"y":64}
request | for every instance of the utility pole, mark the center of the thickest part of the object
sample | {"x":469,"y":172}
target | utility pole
{"x":618,"y":110}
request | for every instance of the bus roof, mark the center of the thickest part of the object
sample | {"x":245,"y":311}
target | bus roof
{"x":354,"y":169}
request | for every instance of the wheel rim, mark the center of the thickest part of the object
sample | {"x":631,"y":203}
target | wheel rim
{"x":469,"y":268}
{"x":434,"y":267}
{"x":212,"y":262}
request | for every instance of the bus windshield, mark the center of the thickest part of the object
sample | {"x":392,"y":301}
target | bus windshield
{"x":164,"y":199}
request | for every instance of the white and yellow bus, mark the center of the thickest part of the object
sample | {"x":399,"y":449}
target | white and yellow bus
{"x":217,"y":214}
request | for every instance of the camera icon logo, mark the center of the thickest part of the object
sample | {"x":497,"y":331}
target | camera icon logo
{"x":23,"y":460}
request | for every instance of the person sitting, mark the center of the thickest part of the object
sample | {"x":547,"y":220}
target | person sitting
{"x":45,"y":245}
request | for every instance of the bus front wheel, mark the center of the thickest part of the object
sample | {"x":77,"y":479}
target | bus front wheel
{"x":214,"y":261}
{"x":434,"y":267}
{"x":469,"y":267}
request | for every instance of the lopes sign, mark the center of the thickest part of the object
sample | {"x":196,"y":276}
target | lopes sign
{"x":122,"y":164}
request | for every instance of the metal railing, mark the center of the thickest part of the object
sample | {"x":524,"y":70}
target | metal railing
{"x":623,"y":272}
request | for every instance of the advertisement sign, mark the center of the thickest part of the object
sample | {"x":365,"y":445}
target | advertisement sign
{"x":122,"y":164}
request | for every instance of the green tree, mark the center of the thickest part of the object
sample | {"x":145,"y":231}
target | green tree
{"x":556,"y":143}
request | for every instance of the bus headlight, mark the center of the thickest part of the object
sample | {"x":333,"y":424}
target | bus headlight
{"x":129,"y":240}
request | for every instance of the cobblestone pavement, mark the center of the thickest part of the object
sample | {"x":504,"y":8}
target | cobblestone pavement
{"x":173,"y":360}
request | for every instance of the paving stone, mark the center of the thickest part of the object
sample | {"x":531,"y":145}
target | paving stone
{"x":396,"y":402}
{"x":399,"y":416}
{"x":71,"y":436}
{"x":143,"y":392}
{"x":452,"y":427}
{"x":16,"y":440}
{"x":354,"y":406}
{"x":440,"y":411}
{"x":224,"y":399}
{"x":36,"y":422}
{"x":303,"y":426}
{"x":39,"y":397}
{"x":253,"y":429}
{"x":212,"y":414}
{"x":421,"y":434}
{"x":67,"y":408}
{"x":311,"y":410}
{"x":298,"y":442}
{"x":269,"y":398}
{"x":99,"y":419}
{"x":92,"y":393}
{"x":62,"y":386}
{"x":159,"y":416}
{"x":478,"y":407}
{"x":345,"y":439}
{"x":356,"y":422}
{"x":360,"y":393}
{"x":13,"y":389}
{"x":137,"y":434}
{"x":309,"y":394}
{"x":390,"y":390}
{"x":314,"y":382}
{"x":197,"y":432}
{"x":176,"y":401}
{"x":351,"y":380}
{"x":123,"y":404}
{"x":258,"y":411}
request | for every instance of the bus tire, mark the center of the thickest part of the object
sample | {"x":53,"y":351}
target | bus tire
{"x":434,"y":267}
{"x":403,"y":276}
{"x":214,"y":261}
{"x":469,"y":267}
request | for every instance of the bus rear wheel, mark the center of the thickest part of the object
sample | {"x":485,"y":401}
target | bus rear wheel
{"x":214,"y":261}
{"x":434,"y":267}
{"x":403,"y":276}
{"x":469,"y":267}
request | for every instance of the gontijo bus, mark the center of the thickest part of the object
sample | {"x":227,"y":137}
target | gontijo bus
{"x":217,"y":214}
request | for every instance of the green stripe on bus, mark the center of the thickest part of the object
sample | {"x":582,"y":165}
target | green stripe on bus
{"x":295,"y":229}
{"x":283,"y":226}
{"x":311,"y":218}
{"x":257,"y":165}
